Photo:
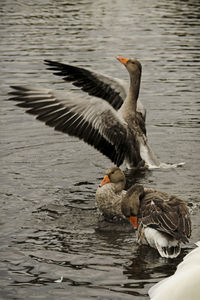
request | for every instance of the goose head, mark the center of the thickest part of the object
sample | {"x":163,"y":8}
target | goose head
{"x":132,"y":65}
{"x":131,"y":203}
{"x":115,"y":177}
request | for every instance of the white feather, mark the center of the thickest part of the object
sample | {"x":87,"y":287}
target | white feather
{"x":159,"y":240}
{"x":184,"y":284}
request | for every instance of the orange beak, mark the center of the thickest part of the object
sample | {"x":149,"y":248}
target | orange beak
{"x":133,"y":221}
{"x":122,"y":60}
{"x":105,"y":180}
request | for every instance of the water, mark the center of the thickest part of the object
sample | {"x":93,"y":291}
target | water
{"x":50,"y":229}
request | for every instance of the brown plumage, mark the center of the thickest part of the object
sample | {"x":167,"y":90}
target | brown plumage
{"x":163,"y":220}
{"x":114,"y":124}
{"x":109,"y":194}
{"x":166,"y":213}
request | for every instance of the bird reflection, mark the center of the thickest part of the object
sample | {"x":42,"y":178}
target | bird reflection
{"x":147,"y":264}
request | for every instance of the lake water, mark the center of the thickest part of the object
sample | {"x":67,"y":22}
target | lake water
{"x":52,"y":245}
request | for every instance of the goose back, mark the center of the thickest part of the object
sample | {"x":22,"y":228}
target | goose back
{"x":166,"y":213}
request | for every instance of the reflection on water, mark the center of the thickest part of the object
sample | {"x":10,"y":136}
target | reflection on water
{"x":54,"y":244}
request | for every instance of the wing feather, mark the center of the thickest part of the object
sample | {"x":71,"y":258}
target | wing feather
{"x":93,"y":121}
{"x":96,"y":84}
{"x":166,"y":213}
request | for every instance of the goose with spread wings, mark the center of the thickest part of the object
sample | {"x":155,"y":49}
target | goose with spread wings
{"x":111,"y":118}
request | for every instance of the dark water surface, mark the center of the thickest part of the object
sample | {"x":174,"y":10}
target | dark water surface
{"x":49,"y":223}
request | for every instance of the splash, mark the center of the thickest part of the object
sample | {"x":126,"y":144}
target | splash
{"x":152,"y":161}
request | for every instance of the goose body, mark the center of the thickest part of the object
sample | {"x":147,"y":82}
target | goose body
{"x":110,"y":193}
{"x":184,"y":283}
{"x":163,"y":220}
{"x":111,"y":119}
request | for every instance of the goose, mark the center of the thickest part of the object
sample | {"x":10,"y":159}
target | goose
{"x":162,"y":220}
{"x":184,"y":283}
{"x":109,"y":194}
{"x":114,"y":124}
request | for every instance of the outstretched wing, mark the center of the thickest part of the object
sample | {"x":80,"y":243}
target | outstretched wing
{"x":166,"y":213}
{"x":92,"y":120}
{"x":111,"y":89}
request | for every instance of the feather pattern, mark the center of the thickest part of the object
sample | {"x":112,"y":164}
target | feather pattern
{"x":166,"y":213}
{"x":93,"y":121}
{"x":111,"y":89}
{"x":163,"y":219}
{"x":114,"y":124}
{"x":95,"y":84}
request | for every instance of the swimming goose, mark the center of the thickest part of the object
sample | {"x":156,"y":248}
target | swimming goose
{"x":114,"y":127}
{"x":184,"y":283}
{"x":162,"y":221}
{"x":110,"y":192}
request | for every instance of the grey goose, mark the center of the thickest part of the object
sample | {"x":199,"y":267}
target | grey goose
{"x":110,"y":118}
{"x":162,"y":220}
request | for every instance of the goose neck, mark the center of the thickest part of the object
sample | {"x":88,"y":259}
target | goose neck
{"x":134,"y":88}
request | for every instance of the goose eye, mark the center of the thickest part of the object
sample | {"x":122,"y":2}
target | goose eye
{"x":112,"y":172}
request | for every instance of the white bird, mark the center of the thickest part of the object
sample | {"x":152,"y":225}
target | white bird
{"x":184,"y":284}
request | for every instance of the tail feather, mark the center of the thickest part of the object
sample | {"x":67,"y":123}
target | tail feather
{"x":166,"y":245}
{"x":170,"y":251}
